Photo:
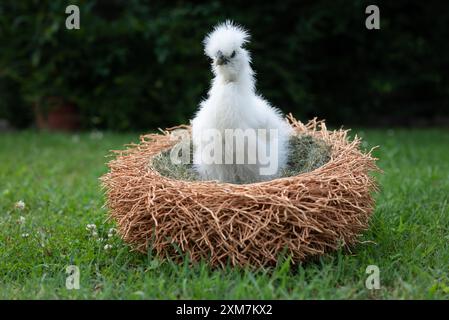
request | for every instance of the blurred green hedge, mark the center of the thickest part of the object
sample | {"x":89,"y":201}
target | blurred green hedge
{"x":140,"y":64}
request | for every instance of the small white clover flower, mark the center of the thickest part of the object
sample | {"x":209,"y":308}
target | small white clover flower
{"x":100,"y":239}
{"x":21,"y":220}
{"x":111,"y":232}
{"x":91,"y":227}
{"x":25,"y":235}
{"x":20,"y":205}
{"x":108,"y":247}
{"x":93,"y":230}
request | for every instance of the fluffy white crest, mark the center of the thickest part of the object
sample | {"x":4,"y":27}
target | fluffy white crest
{"x":226,"y":37}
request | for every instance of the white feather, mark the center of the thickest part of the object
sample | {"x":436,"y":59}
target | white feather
{"x":233,"y":104}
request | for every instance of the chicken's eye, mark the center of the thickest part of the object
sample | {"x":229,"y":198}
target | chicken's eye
{"x":233,"y":54}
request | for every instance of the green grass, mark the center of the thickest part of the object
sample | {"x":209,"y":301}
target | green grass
{"x":56,"y":176}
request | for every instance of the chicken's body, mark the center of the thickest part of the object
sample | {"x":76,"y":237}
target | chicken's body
{"x":233,"y":106}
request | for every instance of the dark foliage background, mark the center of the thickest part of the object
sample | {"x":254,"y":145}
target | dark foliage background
{"x":139,"y":64}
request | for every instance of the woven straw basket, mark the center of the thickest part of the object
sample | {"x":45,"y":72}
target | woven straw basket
{"x":245,"y":225}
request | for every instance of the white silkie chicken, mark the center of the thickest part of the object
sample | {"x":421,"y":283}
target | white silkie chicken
{"x":258,"y":134}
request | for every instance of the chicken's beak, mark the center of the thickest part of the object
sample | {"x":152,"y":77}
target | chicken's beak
{"x":221,"y":59}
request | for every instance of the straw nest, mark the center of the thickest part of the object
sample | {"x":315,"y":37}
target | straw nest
{"x":249,"y":224}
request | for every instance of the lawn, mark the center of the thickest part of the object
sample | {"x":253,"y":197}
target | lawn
{"x":56,"y":176}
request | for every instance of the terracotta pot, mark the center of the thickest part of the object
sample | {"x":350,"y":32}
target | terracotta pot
{"x":61,"y":116}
